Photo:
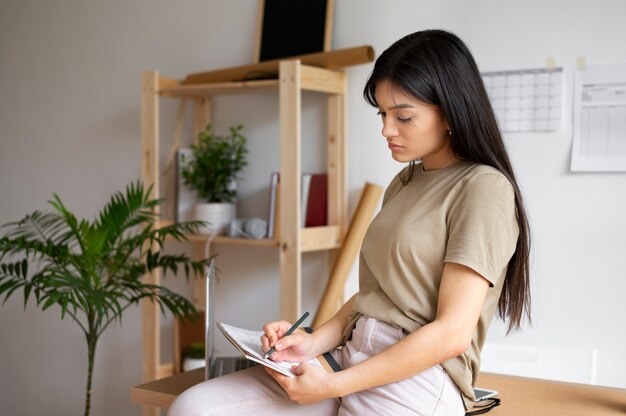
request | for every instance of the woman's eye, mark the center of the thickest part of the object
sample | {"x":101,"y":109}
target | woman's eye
{"x":382,"y":114}
{"x":404,"y":119}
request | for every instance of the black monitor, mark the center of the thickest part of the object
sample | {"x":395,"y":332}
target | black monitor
{"x":294,"y":27}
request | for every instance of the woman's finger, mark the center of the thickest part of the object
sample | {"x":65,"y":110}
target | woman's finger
{"x":265,"y":343}
{"x":279,"y":377}
{"x":288,"y":341}
{"x":275,"y":330}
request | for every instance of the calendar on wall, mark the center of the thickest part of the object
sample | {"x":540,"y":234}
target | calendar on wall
{"x":526,"y":99}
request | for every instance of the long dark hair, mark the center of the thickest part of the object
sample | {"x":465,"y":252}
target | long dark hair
{"x":436,"y":67}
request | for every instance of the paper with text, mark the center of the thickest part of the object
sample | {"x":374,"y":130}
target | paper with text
{"x":249,"y":343}
{"x":599,"y":142}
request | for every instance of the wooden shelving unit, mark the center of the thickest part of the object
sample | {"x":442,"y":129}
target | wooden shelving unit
{"x":292,"y":241}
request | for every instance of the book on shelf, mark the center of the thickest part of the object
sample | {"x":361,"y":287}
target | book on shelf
{"x":277,"y":214}
{"x":316,"y":212}
{"x":272,"y":217}
{"x":313,"y":201}
{"x":305,"y":184}
{"x":249,"y":344}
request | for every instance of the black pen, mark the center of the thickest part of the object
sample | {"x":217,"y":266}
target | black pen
{"x":289,"y":332}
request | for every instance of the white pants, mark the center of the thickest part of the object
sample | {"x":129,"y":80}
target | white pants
{"x":254,"y":392}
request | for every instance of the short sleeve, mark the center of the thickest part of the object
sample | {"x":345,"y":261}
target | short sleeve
{"x":482,"y":226}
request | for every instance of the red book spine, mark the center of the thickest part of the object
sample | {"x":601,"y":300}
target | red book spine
{"x":317,"y":204}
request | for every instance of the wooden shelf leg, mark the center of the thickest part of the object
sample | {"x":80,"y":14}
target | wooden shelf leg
{"x":290,"y":135}
{"x":150,"y":176}
{"x":202,"y":116}
{"x":336,"y":165}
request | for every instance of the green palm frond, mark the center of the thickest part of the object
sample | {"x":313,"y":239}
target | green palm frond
{"x":38,"y":234}
{"x":94,"y":267}
{"x":125,"y":211}
{"x":92,"y":270}
{"x":37,"y":226}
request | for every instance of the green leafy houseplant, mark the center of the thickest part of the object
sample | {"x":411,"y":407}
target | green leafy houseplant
{"x":217,"y":160}
{"x":92,"y":269}
{"x":193,"y":356}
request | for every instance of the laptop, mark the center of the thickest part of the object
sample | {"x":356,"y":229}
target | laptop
{"x":216,"y":366}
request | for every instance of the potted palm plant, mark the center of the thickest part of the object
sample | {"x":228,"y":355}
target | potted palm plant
{"x":212,"y":172}
{"x":92,"y":270}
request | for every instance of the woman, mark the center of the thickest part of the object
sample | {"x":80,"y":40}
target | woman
{"x":449,"y":247}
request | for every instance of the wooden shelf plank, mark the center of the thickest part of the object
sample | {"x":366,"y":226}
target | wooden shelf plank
{"x":313,"y":79}
{"x":320,"y":238}
{"x":165,"y":370}
{"x":220,"y":239}
{"x":264,"y":242}
{"x":313,"y":239}
{"x":222,"y":88}
{"x":167,"y":82}
{"x":322,"y":80}
{"x":337,"y":59}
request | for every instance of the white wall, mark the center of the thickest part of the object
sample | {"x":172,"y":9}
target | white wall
{"x":69,"y":123}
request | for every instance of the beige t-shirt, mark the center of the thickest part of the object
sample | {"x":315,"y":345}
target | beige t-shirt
{"x":463,"y":214}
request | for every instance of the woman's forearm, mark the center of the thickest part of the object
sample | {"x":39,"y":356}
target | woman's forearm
{"x":418,"y":351}
{"x":330,"y":334}
{"x":461,"y":296}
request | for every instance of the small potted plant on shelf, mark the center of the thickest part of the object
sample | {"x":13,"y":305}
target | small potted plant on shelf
{"x":212,"y":172}
{"x":194,"y":356}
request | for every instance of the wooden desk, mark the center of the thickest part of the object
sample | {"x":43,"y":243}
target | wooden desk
{"x":161,"y":393}
{"x":532,"y":397}
{"x":520,"y":396}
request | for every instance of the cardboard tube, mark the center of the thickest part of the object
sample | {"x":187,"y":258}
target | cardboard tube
{"x":332,"y":300}
{"x":340,"y":58}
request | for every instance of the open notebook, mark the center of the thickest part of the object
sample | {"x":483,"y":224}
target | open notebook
{"x":246,"y":341}
{"x":249,"y":344}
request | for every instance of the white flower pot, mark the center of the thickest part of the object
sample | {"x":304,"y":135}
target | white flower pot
{"x":217,"y":214}
{"x":193,"y":363}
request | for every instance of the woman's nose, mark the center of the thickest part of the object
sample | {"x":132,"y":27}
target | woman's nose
{"x":389,"y":130}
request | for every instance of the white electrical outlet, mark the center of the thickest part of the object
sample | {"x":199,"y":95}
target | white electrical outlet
{"x":563,"y":364}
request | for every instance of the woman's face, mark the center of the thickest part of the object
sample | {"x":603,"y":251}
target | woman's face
{"x":413,"y":129}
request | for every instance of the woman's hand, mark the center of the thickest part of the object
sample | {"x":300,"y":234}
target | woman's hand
{"x":297,"y":347}
{"x":311,"y":384}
